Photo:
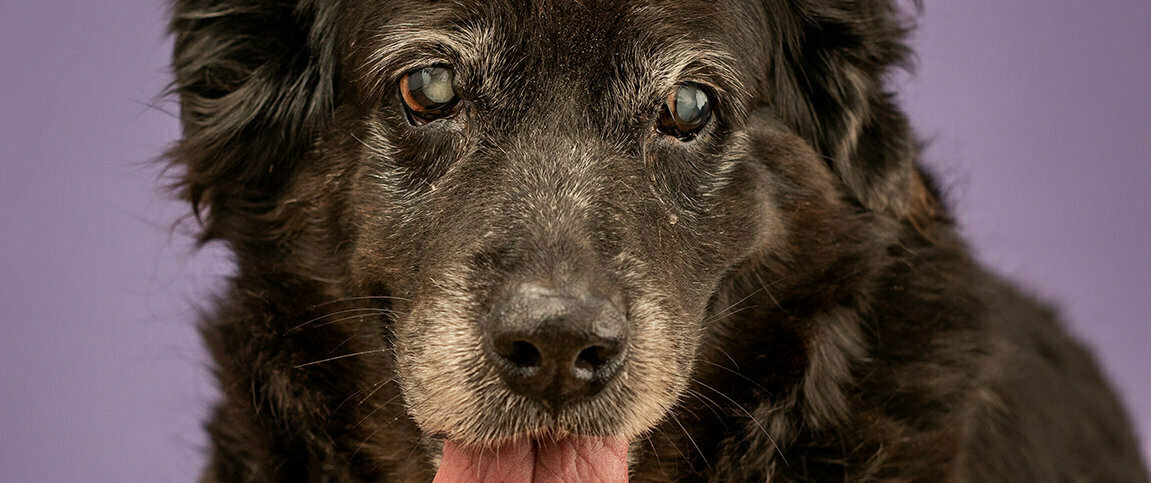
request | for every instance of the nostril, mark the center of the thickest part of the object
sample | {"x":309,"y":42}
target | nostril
{"x":522,"y":354}
{"x":593,"y":358}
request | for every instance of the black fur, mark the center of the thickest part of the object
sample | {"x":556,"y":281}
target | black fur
{"x":822,"y":317}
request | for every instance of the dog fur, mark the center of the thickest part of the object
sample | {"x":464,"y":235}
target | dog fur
{"x":800,"y":304}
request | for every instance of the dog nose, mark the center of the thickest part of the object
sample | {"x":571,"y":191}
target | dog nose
{"x":556,"y":347}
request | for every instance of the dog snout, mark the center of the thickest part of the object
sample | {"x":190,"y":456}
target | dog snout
{"x":554,"y":345}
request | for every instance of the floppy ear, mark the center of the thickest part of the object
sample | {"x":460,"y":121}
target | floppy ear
{"x":829,"y":85}
{"x":255,"y":80}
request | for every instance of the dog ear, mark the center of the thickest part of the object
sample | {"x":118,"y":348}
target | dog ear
{"x":828,"y":84}
{"x":255,"y":79}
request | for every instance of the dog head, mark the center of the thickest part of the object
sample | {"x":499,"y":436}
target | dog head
{"x":558,"y":200}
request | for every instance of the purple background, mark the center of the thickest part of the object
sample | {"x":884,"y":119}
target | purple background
{"x":1038,"y":111}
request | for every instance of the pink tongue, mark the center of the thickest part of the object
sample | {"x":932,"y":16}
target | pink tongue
{"x":574,"y":459}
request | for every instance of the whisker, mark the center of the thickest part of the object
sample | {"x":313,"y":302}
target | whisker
{"x":750,"y":416}
{"x":729,"y":314}
{"x":710,"y":404}
{"x":374,"y":411}
{"x":333,"y":314}
{"x":369,"y":387}
{"x":351,"y":317}
{"x":654,"y":451}
{"x":370,"y":414}
{"x":358,"y":333}
{"x":690,"y":412}
{"x":721,"y":313}
{"x":763,"y":287}
{"x":768,"y":292}
{"x":370,"y":436}
{"x":676,"y":448}
{"x":374,"y":391}
{"x":692,"y":440}
{"x":729,"y":357}
{"x":345,"y":356}
{"x":748,"y":379}
{"x":364,"y":297}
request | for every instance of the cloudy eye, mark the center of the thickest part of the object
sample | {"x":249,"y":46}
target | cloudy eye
{"x":428,"y":94}
{"x":685,"y":111}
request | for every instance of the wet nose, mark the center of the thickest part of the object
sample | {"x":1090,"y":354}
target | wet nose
{"x":556,"y":346}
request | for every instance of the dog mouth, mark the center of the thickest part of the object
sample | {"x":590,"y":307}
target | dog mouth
{"x":541,"y":445}
{"x":568,"y":458}
{"x":568,"y":412}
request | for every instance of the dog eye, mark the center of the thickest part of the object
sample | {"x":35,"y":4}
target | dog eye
{"x":428,"y":94}
{"x":685,"y":111}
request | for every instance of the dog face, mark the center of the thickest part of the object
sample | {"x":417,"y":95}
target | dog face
{"x":557,"y":200}
{"x":547,"y":217}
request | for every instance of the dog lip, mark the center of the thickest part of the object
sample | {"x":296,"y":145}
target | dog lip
{"x":550,"y":429}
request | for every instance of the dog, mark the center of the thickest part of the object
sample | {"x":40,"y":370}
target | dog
{"x":588,"y":240}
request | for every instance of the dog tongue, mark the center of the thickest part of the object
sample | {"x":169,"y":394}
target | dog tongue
{"x":573,"y":459}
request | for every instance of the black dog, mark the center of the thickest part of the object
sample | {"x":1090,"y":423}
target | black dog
{"x":584,"y":239}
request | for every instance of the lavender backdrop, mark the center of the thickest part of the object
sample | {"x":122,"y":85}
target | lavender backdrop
{"x":1038,"y":112}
